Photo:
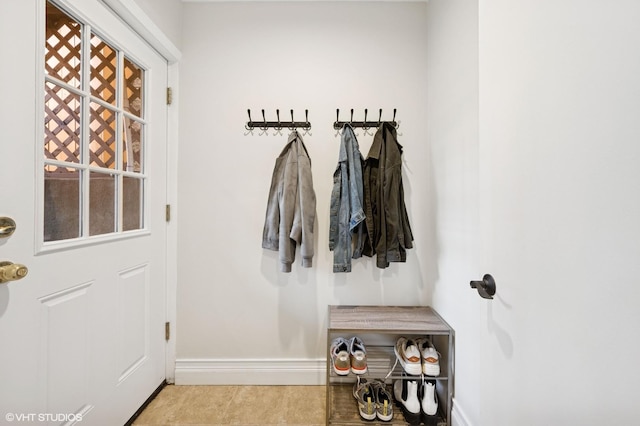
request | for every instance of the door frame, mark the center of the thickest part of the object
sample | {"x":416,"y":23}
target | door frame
{"x":143,"y":25}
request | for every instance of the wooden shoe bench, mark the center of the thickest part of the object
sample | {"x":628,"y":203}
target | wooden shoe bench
{"x":379,"y":327}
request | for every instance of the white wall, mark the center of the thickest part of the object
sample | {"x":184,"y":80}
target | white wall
{"x":452,"y":132}
{"x":167,"y":15}
{"x":237,"y":315}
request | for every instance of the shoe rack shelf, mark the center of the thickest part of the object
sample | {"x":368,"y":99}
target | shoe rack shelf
{"x":379,"y":327}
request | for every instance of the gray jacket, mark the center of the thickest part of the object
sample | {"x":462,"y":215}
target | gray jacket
{"x":291,"y":208}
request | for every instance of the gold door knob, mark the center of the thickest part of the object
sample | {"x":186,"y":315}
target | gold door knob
{"x":7,"y":226}
{"x":12,"y":271}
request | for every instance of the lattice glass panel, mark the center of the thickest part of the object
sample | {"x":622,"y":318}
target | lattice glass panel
{"x":103,"y":70}
{"x":133,"y":145}
{"x":94,"y":130}
{"x":103,"y":136}
{"x":61,"y":124}
{"x":63,"y":46}
{"x":133,"y":88}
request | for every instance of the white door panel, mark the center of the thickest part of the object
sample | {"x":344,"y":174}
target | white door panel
{"x":559,"y":182}
{"x":83,"y":332}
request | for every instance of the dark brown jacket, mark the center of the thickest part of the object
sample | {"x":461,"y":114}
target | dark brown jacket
{"x":388,"y":230}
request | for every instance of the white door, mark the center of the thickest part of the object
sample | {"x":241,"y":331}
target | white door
{"x":559,"y":108}
{"x":83,"y":175}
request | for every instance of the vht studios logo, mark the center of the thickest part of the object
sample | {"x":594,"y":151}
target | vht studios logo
{"x":43,"y":417}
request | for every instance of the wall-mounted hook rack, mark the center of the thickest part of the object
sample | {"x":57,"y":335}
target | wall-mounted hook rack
{"x":264,"y":124}
{"x":337,"y":125}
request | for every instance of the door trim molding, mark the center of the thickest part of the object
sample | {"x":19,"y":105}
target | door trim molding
{"x":134,"y":16}
{"x":173,"y":138}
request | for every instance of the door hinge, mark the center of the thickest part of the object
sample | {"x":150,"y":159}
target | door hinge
{"x":167,"y":331}
{"x":167,"y":212}
{"x":169,"y":95}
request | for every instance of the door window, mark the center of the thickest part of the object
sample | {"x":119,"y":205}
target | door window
{"x":94,"y":134}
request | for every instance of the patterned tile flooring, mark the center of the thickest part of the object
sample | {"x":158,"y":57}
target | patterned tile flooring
{"x":236,"y":405}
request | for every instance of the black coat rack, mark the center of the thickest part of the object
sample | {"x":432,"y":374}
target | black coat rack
{"x":337,"y":125}
{"x":278,"y":125}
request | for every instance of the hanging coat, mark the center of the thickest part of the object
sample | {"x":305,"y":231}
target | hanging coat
{"x":388,"y":230}
{"x":291,"y":207}
{"x":346,"y":221}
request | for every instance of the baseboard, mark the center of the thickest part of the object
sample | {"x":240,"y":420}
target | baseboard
{"x":458,"y":418}
{"x":250,"y":372}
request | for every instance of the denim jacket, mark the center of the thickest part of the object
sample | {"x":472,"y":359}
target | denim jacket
{"x":346,"y":221}
{"x":291,"y":208}
{"x":388,"y":230}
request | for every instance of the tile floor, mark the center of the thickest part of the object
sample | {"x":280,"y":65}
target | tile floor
{"x":236,"y":405}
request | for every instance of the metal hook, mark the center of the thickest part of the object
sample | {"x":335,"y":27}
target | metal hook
{"x":293,"y":124}
{"x":351,"y":115}
{"x":380,"y":118}
{"x":249,"y":126}
{"x":367,"y":125}
{"x":394,"y":115}
{"x":278,"y":126}
{"x":264,"y":127}
{"x":307,"y":129}
{"x":337,"y":129}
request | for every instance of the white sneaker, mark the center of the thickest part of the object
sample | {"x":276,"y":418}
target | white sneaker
{"x":429,"y":398}
{"x":384,"y":404}
{"x":358,"y":356}
{"x":339,"y":352}
{"x":408,"y":354}
{"x":430,"y":357}
{"x":364,"y":394}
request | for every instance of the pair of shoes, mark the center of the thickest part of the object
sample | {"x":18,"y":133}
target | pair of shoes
{"x":416,"y":398}
{"x":373,"y":400}
{"x":348,"y":355}
{"x":417,"y":356}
